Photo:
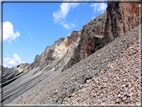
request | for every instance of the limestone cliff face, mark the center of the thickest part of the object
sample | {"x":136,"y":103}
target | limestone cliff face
{"x":46,"y":57}
{"x":117,"y":20}
{"x":90,"y":40}
{"x":64,"y":47}
{"x":76,"y":46}
{"x":121,"y":18}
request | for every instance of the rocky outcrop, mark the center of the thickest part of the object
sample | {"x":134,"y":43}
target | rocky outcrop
{"x":5,"y":70}
{"x":9,"y":73}
{"x":113,"y":85}
{"x":90,"y":40}
{"x":65,"y":52}
{"x":46,"y":57}
{"x":68,"y":83}
{"x":117,"y":20}
{"x":121,"y":18}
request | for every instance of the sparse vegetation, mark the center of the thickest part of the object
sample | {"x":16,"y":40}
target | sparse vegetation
{"x":28,"y":67}
{"x":22,"y":71}
{"x":72,"y":90}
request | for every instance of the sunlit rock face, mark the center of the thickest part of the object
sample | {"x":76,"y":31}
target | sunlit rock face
{"x":90,"y":40}
{"x":76,"y":46}
{"x":121,"y":18}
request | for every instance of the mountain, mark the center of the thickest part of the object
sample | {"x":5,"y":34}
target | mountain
{"x":75,"y":47}
{"x":67,"y":64}
{"x":121,"y":18}
{"x":119,"y":81}
{"x":10,"y":74}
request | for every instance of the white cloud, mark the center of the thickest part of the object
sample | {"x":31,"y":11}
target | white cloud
{"x":63,"y":11}
{"x":8,"y":32}
{"x":100,"y":7}
{"x":67,"y":26}
{"x":12,"y":62}
{"x":7,"y":59}
{"x":8,"y":62}
{"x":17,"y":58}
{"x":60,"y":15}
{"x":73,"y":25}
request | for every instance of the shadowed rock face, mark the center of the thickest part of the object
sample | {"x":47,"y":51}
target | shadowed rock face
{"x":121,"y":18}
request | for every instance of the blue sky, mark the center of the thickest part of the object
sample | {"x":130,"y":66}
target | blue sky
{"x":30,"y":27}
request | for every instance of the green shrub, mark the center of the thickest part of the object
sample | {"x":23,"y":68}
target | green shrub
{"x":72,"y":90}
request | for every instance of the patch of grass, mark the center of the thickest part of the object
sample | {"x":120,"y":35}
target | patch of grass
{"x":53,"y":65}
{"x":72,"y":90}
{"x":11,"y":78}
{"x":47,"y":68}
{"x":20,"y":72}
{"x":28,"y":67}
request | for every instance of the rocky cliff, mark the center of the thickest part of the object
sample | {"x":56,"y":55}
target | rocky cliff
{"x":9,"y":73}
{"x":117,"y":20}
{"x":121,"y":18}
{"x":65,"y":52}
{"x":46,"y":57}
{"x":75,"y":47}
{"x":90,"y":40}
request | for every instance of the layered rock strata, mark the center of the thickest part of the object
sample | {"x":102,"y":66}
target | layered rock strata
{"x":9,"y":73}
